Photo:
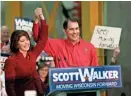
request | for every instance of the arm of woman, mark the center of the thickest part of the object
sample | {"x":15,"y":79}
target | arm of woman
{"x":43,"y":36}
{"x":41,"y":33}
{"x":10,"y":77}
{"x":36,"y":26}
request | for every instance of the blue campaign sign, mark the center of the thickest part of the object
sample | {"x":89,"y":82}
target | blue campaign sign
{"x":25,"y":24}
{"x":91,"y":78}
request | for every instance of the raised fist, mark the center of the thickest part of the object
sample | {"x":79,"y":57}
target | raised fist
{"x":39,"y":13}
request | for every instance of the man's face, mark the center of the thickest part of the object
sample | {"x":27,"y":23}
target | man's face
{"x":73,"y":31}
{"x":5,"y":35}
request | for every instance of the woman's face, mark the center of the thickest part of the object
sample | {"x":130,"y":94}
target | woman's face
{"x":24,"y":44}
{"x":43,"y":72}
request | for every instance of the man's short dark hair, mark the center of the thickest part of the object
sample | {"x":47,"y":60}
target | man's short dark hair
{"x":65,"y":24}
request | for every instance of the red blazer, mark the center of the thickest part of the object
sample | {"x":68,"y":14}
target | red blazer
{"x":20,"y":72}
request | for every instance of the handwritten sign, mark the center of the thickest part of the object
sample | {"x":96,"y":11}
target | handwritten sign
{"x":106,"y":37}
{"x":25,"y":24}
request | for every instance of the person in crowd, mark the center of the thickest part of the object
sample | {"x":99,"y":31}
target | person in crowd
{"x":5,"y":39}
{"x":70,"y":52}
{"x":116,"y":53}
{"x":20,"y":68}
{"x":43,"y":73}
{"x":43,"y":64}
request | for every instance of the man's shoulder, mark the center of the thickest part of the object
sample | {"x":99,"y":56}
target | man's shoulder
{"x":56,"y":40}
{"x":86,"y":43}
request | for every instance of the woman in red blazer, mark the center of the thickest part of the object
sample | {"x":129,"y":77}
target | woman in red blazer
{"x":20,"y":68}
